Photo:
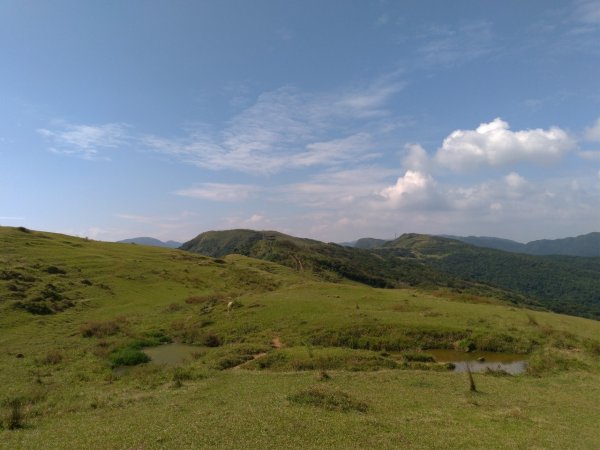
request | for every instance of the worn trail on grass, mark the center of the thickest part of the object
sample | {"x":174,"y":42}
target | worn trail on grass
{"x":275,"y":343}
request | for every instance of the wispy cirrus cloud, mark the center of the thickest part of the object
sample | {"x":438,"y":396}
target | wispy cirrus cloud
{"x":85,"y":141}
{"x":221,"y":192}
{"x":587,"y":11}
{"x":286,"y":128}
{"x":448,"y":46}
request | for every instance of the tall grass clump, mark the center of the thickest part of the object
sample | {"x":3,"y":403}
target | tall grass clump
{"x":16,"y":416}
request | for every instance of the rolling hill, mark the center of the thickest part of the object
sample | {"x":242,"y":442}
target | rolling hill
{"x":333,"y":262}
{"x":277,"y":357}
{"x":564,"y":284}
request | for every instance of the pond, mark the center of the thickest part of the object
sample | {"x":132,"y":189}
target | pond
{"x":511,"y":363}
{"x":171,"y":354}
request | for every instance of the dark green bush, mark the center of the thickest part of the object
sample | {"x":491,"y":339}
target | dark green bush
{"x":418,"y":357}
{"x":128,"y":356}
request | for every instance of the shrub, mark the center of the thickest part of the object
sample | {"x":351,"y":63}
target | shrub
{"x":53,"y":270}
{"x":100,"y":329}
{"x":332,"y":400}
{"x":128,"y":356}
{"x":211,"y":340}
{"x":53,"y":357}
{"x":418,"y":357}
{"x":466,"y":345}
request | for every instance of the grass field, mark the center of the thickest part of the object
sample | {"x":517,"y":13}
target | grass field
{"x":336,"y":378}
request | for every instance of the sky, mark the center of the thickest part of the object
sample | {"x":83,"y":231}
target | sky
{"x":328,"y":119}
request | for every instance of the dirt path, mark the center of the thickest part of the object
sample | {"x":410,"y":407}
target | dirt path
{"x":275,"y":343}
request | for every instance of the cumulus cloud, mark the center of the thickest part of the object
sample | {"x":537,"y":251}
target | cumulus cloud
{"x":593,"y":133}
{"x":494,"y":144}
{"x":221,"y":192}
{"x":416,"y":157}
{"x":85,"y":140}
{"x":412,"y":182}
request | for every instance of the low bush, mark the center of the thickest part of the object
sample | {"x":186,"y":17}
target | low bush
{"x":128,"y":356}
{"x":101,"y":329}
{"x":418,"y":357}
{"x":53,"y":357}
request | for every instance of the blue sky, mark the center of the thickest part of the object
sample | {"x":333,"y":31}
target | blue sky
{"x":325,"y":119}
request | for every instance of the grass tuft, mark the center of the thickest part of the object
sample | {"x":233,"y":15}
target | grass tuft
{"x":333,"y":400}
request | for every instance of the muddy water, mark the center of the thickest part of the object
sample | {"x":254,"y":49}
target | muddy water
{"x":171,"y":354}
{"x":481,"y":361}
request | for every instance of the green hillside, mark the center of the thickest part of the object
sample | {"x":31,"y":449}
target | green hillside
{"x":564,"y":284}
{"x":568,"y":285}
{"x":281,"y":358}
{"x":332,"y":262}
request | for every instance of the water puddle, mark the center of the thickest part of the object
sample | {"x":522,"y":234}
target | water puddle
{"x":513,"y":364}
{"x":171,"y":354}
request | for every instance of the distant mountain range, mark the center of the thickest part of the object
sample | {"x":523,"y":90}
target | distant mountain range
{"x":587,"y":245}
{"x":564,"y":284}
{"x":584,"y":245}
{"x":151,"y":241}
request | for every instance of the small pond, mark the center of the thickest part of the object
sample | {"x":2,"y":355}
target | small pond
{"x":171,"y":354}
{"x":513,"y":364}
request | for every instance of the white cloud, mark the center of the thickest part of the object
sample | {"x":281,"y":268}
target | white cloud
{"x":287,"y":129}
{"x":354,"y":148}
{"x":412,"y":182}
{"x":416,"y":157}
{"x":514,"y":180}
{"x":85,"y":140}
{"x":220,"y":192}
{"x":590,"y":155}
{"x":593,"y":133}
{"x":494,"y":144}
{"x":337,"y":189}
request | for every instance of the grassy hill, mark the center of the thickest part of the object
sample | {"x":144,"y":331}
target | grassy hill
{"x":293,"y":362}
{"x":569,"y":285}
{"x":564,"y":284}
{"x":333,"y":262}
